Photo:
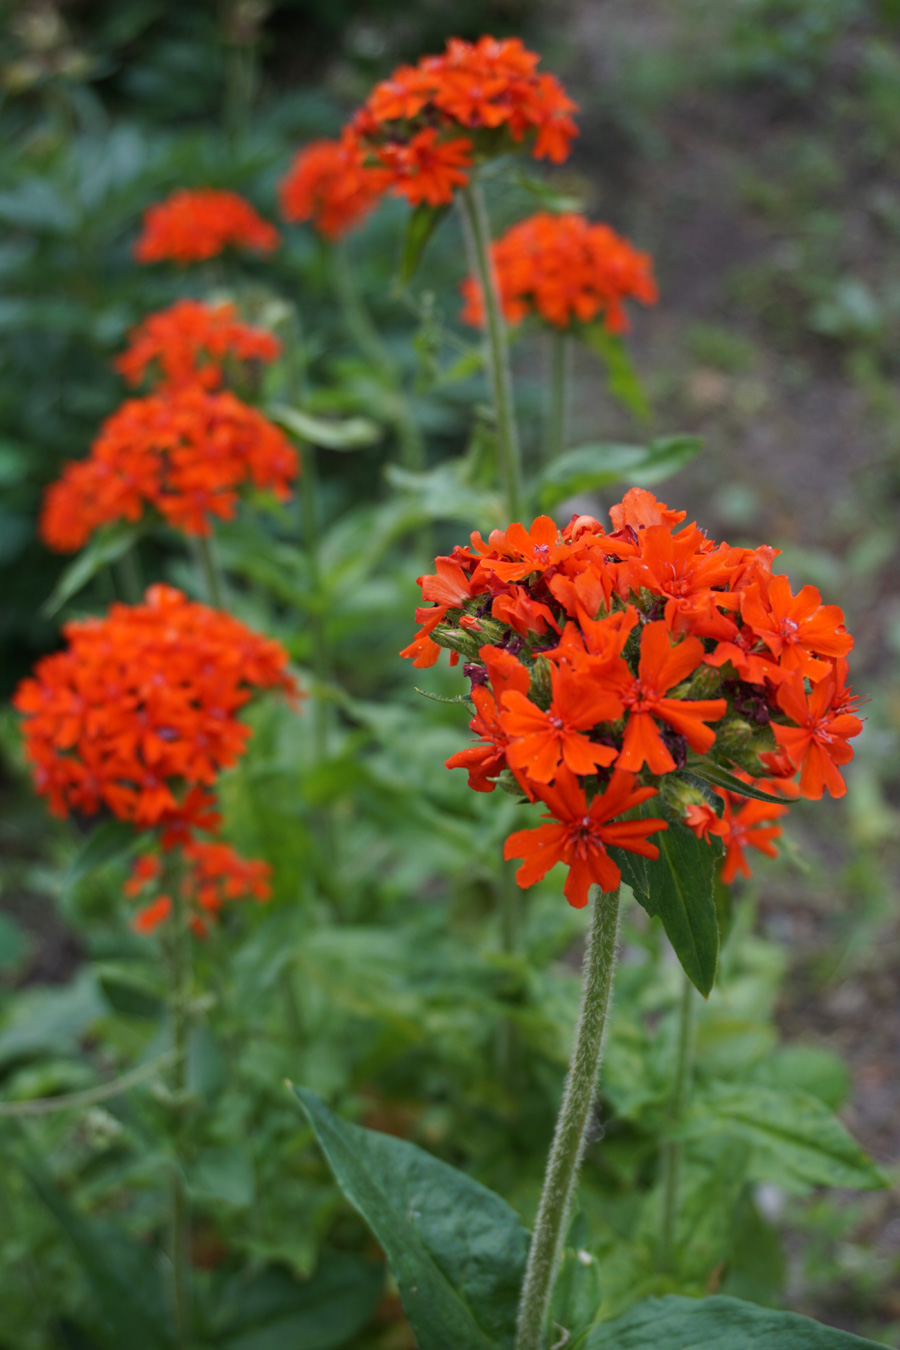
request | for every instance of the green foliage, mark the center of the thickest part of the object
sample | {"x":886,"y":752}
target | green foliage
{"x":723,"y":1323}
{"x":591,"y":467}
{"x":677,"y":887}
{"x":457,"y":1250}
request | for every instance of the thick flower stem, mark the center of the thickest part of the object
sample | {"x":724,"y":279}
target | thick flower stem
{"x":180,"y":961}
{"x":368,"y":339}
{"x":572,"y":1126}
{"x":671,"y":1149}
{"x":558,"y":389}
{"x":477,"y":231}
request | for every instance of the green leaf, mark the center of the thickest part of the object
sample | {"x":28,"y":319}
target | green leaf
{"x":715,"y":774}
{"x":675,"y":1323}
{"x":445,"y":494}
{"x":121,"y":1273}
{"x":353,"y":433}
{"x":423,"y":222}
{"x":51,"y":1020}
{"x":110,"y":841}
{"x":677,"y":887}
{"x":456,"y":1249}
{"x":592,"y":467}
{"x":796,"y":1139}
{"x":272,"y":1311}
{"x":624,"y":382}
{"x":107,"y":546}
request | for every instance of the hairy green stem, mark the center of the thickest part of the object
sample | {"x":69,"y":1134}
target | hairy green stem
{"x":671,"y":1149}
{"x":558,"y":389}
{"x":368,"y":339}
{"x":477,"y":231}
{"x":180,"y":962}
{"x":573,"y":1123}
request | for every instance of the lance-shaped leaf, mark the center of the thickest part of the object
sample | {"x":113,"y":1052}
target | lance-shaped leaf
{"x":352,"y":433}
{"x":624,"y":381}
{"x":677,"y":887}
{"x":110,"y":841}
{"x":106,"y":547}
{"x":795,"y":1137}
{"x":719,"y":777}
{"x":592,"y":467}
{"x":423,"y":222}
{"x":675,"y":1323}
{"x":456,"y":1249}
{"x":122,"y":1276}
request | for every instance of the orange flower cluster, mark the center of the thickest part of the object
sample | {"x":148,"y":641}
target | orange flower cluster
{"x":184,"y":452}
{"x":140,"y":713}
{"x":195,"y":224}
{"x":190,"y":343}
{"x":426,"y":123}
{"x":565,"y":270}
{"x":330,"y":184}
{"x":604,"y":663}
{"x":209,"y":873}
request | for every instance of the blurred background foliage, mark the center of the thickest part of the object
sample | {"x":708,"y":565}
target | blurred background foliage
{"x":752,"y":146}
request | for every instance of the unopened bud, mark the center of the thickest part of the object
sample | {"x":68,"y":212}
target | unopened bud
{"x":741,"y":742}
{"x":458,"y":640}
{"x":541,"y":691}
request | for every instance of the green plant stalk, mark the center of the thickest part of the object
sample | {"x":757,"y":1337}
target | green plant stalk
{"x":672,"y":1148}
{"x":180,"y":963}
{"x":321,"y":655}
{"x":558,"y":402}
{"x":572,"y":1125}
{"x":477,"y":231}
{"x":207,"y":564}
{"x":510,"y":899}
{"x":128,"y":577}
{"x":368,"y":339}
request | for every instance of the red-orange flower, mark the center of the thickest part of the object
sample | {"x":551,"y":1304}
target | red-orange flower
{"x":625,"y":646}
{"x":565,"y":270}
{"x":139,"y":714}
{"x":489,"y":89}
{"x":485,"y":761}
{"x":194,"y":224}
{"x":191,"y":343}
{"x":824,"y":722}
{"x":748,"y":823}
{"x":185,"y":452}
{"x":797,"y":629}
{"x":661,"y":667}
{"x":581,"y":834}
{"x":426,"y":169}
{"x":208,"y":873}
{"x":540,"y":741}
{"x":330,"y":184}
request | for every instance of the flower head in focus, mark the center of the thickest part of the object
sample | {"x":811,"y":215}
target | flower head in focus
{"x":140,"y":713}
{"x":186,"y":452}
{"x":330,"y":184}
{"x":192,"y":343}
{"x":604,"y":664}
{"x":427,"y":123}
{"x":567,"y":272}
{"x":195,"y":224}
